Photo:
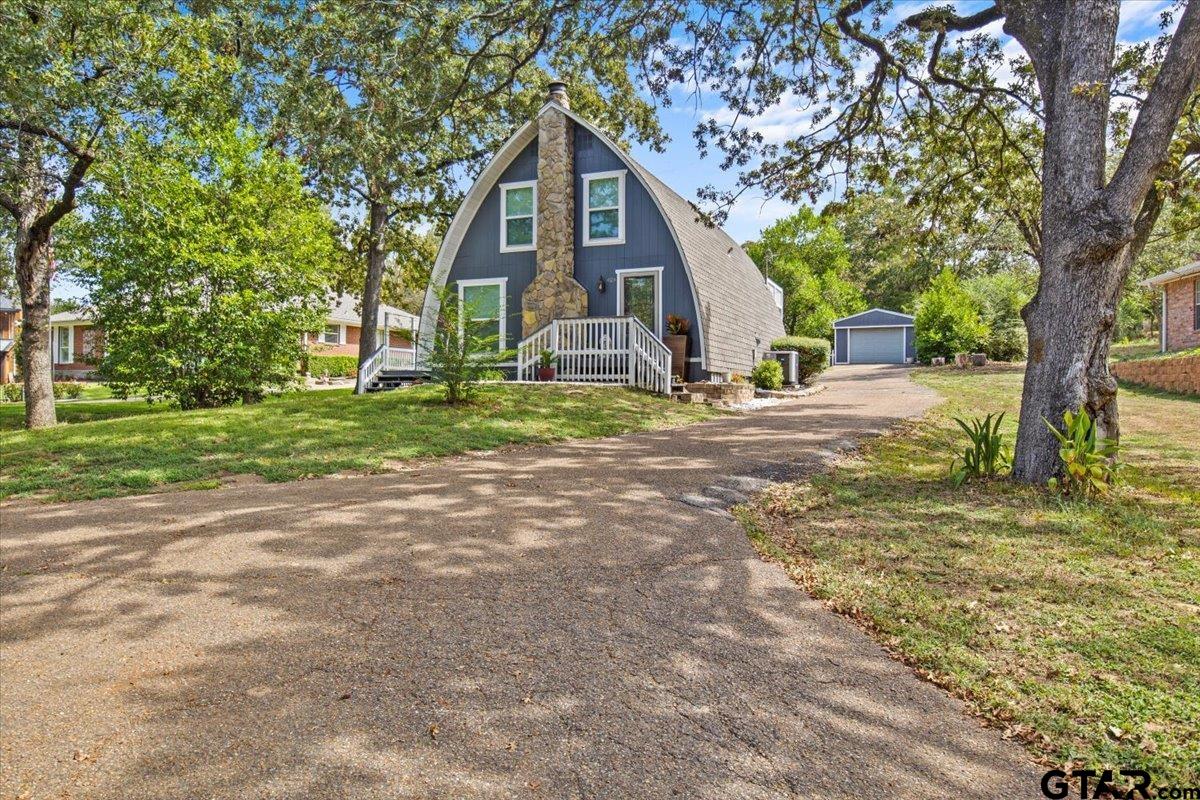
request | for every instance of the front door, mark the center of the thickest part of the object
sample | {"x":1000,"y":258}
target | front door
{"x":638,"y":296}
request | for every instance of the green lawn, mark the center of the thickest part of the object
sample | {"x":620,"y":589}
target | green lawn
{"x":1075,"y":626}
{"x":1134,"y":348}
{"x":12,"y":415}
{"x":305,"y":434}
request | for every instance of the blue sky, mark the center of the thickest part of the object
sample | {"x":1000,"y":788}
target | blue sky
{"x":682,"y":168}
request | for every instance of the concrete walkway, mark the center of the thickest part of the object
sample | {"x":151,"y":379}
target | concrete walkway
{"x":547,"y":623}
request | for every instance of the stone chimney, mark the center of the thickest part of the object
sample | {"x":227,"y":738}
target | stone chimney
{"x":554,"y":293}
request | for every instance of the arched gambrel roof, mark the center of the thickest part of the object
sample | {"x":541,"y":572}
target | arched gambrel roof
{"x":728,"y":291}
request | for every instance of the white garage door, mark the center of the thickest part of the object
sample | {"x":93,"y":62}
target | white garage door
{"x":877,"y":345}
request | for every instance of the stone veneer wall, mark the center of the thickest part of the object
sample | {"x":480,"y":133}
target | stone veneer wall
{"x":554,"y":293}
{"x":1180,"y":374}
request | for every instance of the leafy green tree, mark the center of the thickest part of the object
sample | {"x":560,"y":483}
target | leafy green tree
{"x":900,"y":236}
{"x":947,"y":319}
{"x":463,"y":351}
{"x":1000,"y":297}
{"x":77,"y":77}
{"x":876,"y":83}
{"x":806,"y":255}
{"x":205,"y":261}
{"x":390,"y":107}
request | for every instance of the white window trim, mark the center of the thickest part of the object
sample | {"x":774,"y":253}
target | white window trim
{"x":656,"y":273}
{"x":505,"y":247}
{"x":341,"y":334}
{"x":619,"y":174}
{"x":503,"y":284}
{"x":55,"y":342}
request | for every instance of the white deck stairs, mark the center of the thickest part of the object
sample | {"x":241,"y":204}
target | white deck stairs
{"x":620,"y":350}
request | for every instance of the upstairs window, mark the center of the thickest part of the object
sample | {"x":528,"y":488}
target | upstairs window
{"x":604,"y":208}
{"x":518,"y":216}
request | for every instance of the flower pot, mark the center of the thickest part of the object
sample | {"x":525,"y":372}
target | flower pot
{"x":545,"y":373}
{"x":677,"y":344}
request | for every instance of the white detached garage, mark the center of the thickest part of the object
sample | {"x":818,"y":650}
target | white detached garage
{"x":877,"y":336}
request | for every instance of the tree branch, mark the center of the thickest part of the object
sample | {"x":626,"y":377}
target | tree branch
{"x":47,"y":133}
{"x":1146,"y":153}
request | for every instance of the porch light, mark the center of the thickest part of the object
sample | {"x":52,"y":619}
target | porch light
{"x":600,"y":287}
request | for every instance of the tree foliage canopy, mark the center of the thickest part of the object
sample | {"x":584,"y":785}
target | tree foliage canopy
{"x":206,"y":261}
{"x":806,"y":255}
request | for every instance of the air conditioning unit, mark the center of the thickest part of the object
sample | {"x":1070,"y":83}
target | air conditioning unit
{"x":790,"y":361}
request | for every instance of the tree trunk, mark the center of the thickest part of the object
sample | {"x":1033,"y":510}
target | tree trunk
{"x":34,"y":265}
{"x":1070,"y":324}
{"x":35,"y":334}
{"x":377,"y":220}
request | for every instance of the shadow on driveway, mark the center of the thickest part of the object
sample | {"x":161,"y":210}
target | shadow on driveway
{"x":548,"y":622}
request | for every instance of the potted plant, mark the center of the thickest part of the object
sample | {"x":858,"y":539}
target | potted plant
{"x":676,"y":341}
{"x":546,"y":361}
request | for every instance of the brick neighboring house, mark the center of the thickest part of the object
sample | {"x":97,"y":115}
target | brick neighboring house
{"x":77,"y":343}
{"x":1179,"y":328}
{"x":343,"y":328}
{"x":10,"y":326}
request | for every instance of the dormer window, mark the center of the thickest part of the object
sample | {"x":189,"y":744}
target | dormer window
{"x":604,"y":208}
{"x":518,"y":216}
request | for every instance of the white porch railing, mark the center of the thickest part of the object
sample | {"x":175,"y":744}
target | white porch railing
{"x":599,"y":350}
{"x":386,"y":358}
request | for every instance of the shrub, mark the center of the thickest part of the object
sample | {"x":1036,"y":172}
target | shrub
{"x":462,"y":352}
{"x":492,"y":375}
{"x":1089,"y":462}
{"x":814,"y":354}
{"x":987,"y":456}
{"x":948,"y":319}
{"x":12,"y":392}
{"x":768,"y":374}
{"x":71,"y":390}
{"x":1005,"y":342}
{"x":334,"y":366}
{"x":1000,"y":298}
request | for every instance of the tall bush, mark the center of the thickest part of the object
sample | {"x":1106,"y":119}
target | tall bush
{"x":813,"y":354}
{"x":948,"y":319}
{"x":1000,"y":297}
{"x":205,"y":260}
{"x":463,"y":352}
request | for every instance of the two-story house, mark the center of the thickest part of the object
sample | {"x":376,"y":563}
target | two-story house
{"x":567,"y":244}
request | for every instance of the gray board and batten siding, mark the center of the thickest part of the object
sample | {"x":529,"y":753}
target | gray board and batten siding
{"x":648,"y":243}
{"x":706,"y":277}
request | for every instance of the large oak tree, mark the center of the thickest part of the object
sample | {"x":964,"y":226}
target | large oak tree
{"x":77,"y":76}
{"x":876,"y":83}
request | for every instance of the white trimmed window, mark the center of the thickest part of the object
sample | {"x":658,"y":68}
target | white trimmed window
{"x":604,"y":208}
{"x":62,"y":345}
{"x":332,"y":334}
{"x":518,"y":216}
{"x":485,"y":299}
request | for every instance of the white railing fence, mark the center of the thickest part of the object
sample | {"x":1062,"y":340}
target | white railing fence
{"x":386,"y":358}
{"x":599,"y":350}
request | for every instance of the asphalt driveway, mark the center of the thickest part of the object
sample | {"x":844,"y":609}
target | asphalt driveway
{"x":553,"y":622}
